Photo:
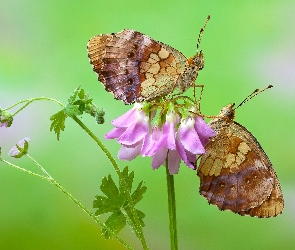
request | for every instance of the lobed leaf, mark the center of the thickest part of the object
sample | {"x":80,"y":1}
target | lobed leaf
{"x":58,"y":122}
{"x":115,"y":201}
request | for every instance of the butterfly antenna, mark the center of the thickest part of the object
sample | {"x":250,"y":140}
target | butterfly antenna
{"x":201,"y":33}
{"x":254,"y":93}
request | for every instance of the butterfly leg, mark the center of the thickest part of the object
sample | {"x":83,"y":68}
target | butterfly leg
{"x":198,"y":102}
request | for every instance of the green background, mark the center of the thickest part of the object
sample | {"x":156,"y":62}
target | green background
{"x":247,"y":45}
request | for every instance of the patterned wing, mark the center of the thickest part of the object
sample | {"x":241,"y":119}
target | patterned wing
{"x":272,"y":206}
{"x":235,"y":174}
{"x":133,"y":66}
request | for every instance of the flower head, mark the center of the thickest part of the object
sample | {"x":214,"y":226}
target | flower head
{"x":20,"y":149}
{"x":5,"y":119}
{"x":176,"y":135}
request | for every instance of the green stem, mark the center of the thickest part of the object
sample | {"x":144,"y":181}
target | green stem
{"x":171,"y":209}
{"x":50,"y":179}
{"x":29,"y":101}
{"x":137,"y":228}
{"x":24,"y":170}
{"x":42,"y":169}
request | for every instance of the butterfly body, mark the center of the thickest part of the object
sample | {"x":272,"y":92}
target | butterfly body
{"x":235,"y":173}
{"x":136,"y":68}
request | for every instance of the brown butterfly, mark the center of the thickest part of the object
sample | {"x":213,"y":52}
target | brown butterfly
{"x":236,"y":174}
{"x":136,"y":68}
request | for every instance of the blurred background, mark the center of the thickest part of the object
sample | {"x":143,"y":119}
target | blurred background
{"x":247,"y":45}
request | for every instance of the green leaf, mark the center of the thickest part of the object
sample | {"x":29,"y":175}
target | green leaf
{"x":128,"y":179}
{"x":81,"y":94}
{"x":139,"y":213}
{"x":116,"y":222}
{"x":58,"y":122}
{"x":78,"y":103}
{"x":104,"y":205}
{"x":72,"y":110}
{"x":109,"y":188}
{"x":73,"y":96}
{"x":115,"y":202}
{"x":137,"y":195}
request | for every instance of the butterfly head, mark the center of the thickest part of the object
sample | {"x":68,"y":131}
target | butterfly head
{"x":197,"y":61}
{"x":228,"y":112}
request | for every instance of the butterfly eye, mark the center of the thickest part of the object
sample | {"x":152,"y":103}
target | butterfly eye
{"x":199,"y":61}
{"x":228,"y":112}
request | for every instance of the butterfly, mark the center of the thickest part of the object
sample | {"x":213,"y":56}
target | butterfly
{"x":235,"y":173}
{"x":136,"y":68}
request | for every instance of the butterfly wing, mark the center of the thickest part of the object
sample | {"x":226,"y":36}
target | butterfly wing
{"x":134,"y":67}
{"x":272,"y":206}
{"x":236,"y":175}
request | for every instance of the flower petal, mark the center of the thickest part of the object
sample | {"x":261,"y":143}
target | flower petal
{"x":169,"y":131}
{"x":190,"y":139}
{"x":129,"y":153}
{"x":4,"y":124}
{"x":126,"y":119}
{"x":114,"y":133}
{"x":14,"y":151}
{"x":173,"y":161}
{"x":158,"y":145}
{"x":157,"y":140}
{"x":134,"y":133}
{"x":204,"y":131}
{"x":147,"y":145}
{"x":21,"y":143}
{"x":192,"y":158}
{"x":159,"y":158}
{"x":183,"y":155}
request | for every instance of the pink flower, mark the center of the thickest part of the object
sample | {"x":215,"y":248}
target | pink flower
{"x":172,"y":139}
{"x":130,"y":129}
{"x":20,"y":149}
{"x":183,"y":145}
{"x":3,"y":124}
{"x":162,"y":143}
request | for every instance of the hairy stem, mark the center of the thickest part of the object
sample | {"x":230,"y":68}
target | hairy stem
{"x":29,"y":101}
{"x":137,"y":228}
